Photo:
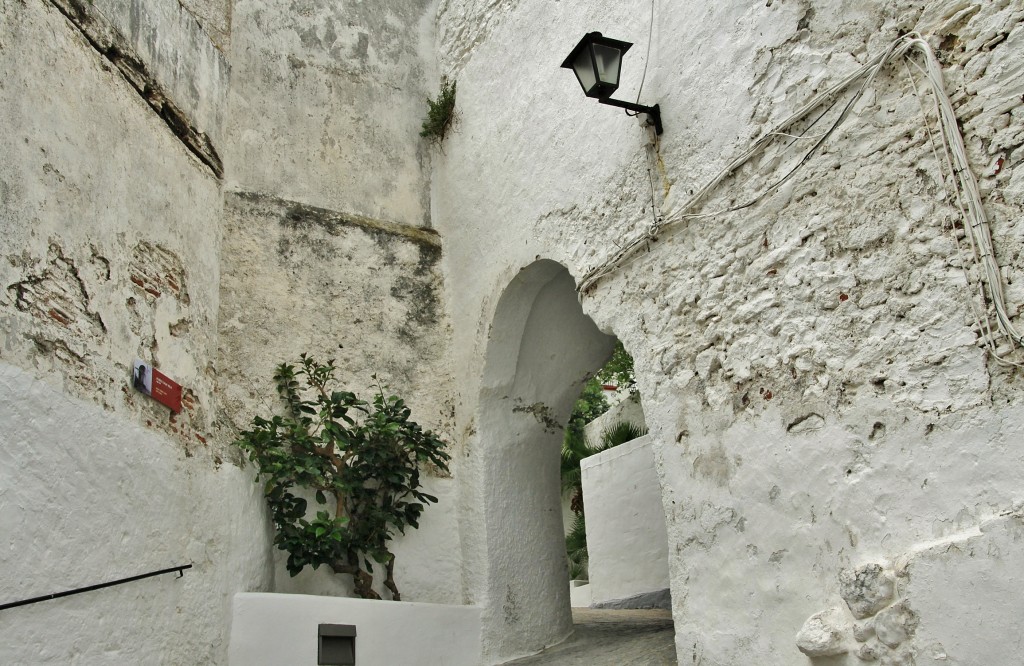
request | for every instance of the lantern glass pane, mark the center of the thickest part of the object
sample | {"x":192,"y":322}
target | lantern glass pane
{"x":583,"y":66}
{"x":608,"y":61}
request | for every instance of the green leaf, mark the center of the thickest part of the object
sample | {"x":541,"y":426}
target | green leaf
{"x":383,"y":448}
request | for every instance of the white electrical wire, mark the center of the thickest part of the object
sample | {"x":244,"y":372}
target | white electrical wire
{"x":965,"y":186}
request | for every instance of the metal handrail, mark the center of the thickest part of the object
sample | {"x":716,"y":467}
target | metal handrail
{"x":90,"y":588}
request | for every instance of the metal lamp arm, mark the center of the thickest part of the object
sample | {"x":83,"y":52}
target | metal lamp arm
{"x":653,"y":111}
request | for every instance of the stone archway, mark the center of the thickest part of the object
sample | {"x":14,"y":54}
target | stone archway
{"x":540,"y":349}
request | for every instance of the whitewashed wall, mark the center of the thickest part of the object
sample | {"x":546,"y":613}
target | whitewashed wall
{"x":327,"y":245}
{"x":110,"y":243}
{"x":278,"y":629}
{"x":628,"y":409}
{"x":808,"y":365}
{"x":113,"y":212}
{"x":626,"y":538}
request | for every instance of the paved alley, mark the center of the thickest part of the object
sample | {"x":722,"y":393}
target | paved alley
{"x":612,"y":638}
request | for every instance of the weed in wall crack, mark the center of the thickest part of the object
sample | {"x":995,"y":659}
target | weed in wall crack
{"x":440,"y":113}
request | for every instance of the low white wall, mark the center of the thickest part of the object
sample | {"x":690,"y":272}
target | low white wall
{"x":281,"y":629}
{"x":626,"y":536}
{"x":628,"y":409}
{"x":579,"y":594}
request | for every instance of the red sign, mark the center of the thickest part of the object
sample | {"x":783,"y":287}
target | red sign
{"x":157,"y":385}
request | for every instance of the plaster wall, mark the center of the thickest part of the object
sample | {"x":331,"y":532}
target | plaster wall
{"x":177,"y":49}
{"x":282,"y":629}
{"x":628,"y":409}
{"x":111,"y":235}
{"x":327,"y":248}
{"x":513,"y":548}
{"x":818,"y":396}
{"x":298,"y":279}
{"x":327,"y":100}
{"x":86,"y":498}
{"x":626,"y":538}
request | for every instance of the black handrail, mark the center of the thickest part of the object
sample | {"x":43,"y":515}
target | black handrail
{"x":90,"y":588}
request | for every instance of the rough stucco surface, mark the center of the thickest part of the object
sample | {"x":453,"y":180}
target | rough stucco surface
{"x":111,"y":234}
{"x":512,"y":538}
{"x":808,"y":365}
{"x":85,"y":499}
{"x":822,"y":410}
{"x":175,"y":48}
{"x":297,"y":279}
{"x":110,"y":255}
{"x":349,"y":81}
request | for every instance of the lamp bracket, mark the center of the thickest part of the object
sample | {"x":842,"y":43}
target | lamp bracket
{"x":653,"y":111}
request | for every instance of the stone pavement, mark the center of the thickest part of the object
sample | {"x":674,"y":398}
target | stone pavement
{"x":612,"y":638}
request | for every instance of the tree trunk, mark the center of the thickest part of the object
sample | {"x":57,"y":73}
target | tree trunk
{"x":389,"y":582}
{"x":362,"y":580}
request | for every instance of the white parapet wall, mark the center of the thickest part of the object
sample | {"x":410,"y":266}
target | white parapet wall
{"x":282,"y":629}
{"x":626,"y":536}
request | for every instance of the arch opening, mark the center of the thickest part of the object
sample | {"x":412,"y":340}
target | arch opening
{"x":542,"y":348}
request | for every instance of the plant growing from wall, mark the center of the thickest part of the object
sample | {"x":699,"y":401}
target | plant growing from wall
{"x":359,"y":461}
{"x":440,"y":113}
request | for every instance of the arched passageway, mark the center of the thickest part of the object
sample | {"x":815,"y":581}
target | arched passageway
{"x":540,"y":350}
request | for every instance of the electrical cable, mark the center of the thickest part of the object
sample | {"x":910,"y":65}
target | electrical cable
{"x":647,"y":59}
{"x":965,"y":186}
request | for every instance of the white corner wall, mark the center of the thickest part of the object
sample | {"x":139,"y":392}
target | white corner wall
{"x":626,"y":536}
{"x":628,"y":408}
{"x":281,"y":629}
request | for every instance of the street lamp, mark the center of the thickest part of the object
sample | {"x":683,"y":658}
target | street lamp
{"x":597,"y":61}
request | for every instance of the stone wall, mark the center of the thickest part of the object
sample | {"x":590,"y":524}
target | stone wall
{"x":110,"y":246}
{"x":810,"y":364}
{"x":327,"y":99}
{"x":298,"y":279}
{"x":327,"y":242}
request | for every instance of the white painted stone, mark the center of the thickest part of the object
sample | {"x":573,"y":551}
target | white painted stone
{"x":545,"y":172}
{"x":864,"y":630}
{"x":626,"y":541}
{"x":270,"y":629}
{"x":961,"y":588}
{"x":895,"y":624}
{"x":866,"y":589}
{"x":822,"y":634}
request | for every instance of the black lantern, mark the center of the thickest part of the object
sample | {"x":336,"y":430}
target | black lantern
{"x":597,"y":61}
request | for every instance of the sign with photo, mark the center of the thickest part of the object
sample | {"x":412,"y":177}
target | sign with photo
{"x":147,"y":379}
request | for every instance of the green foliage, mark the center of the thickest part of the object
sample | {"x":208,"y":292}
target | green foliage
{"x":359,"y":461}
{"x":620,"y":433}
{"x":619,"y":370}
{"x":588,"y":407}
{"x":440,"y":113}
{"x":576,"y":548}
